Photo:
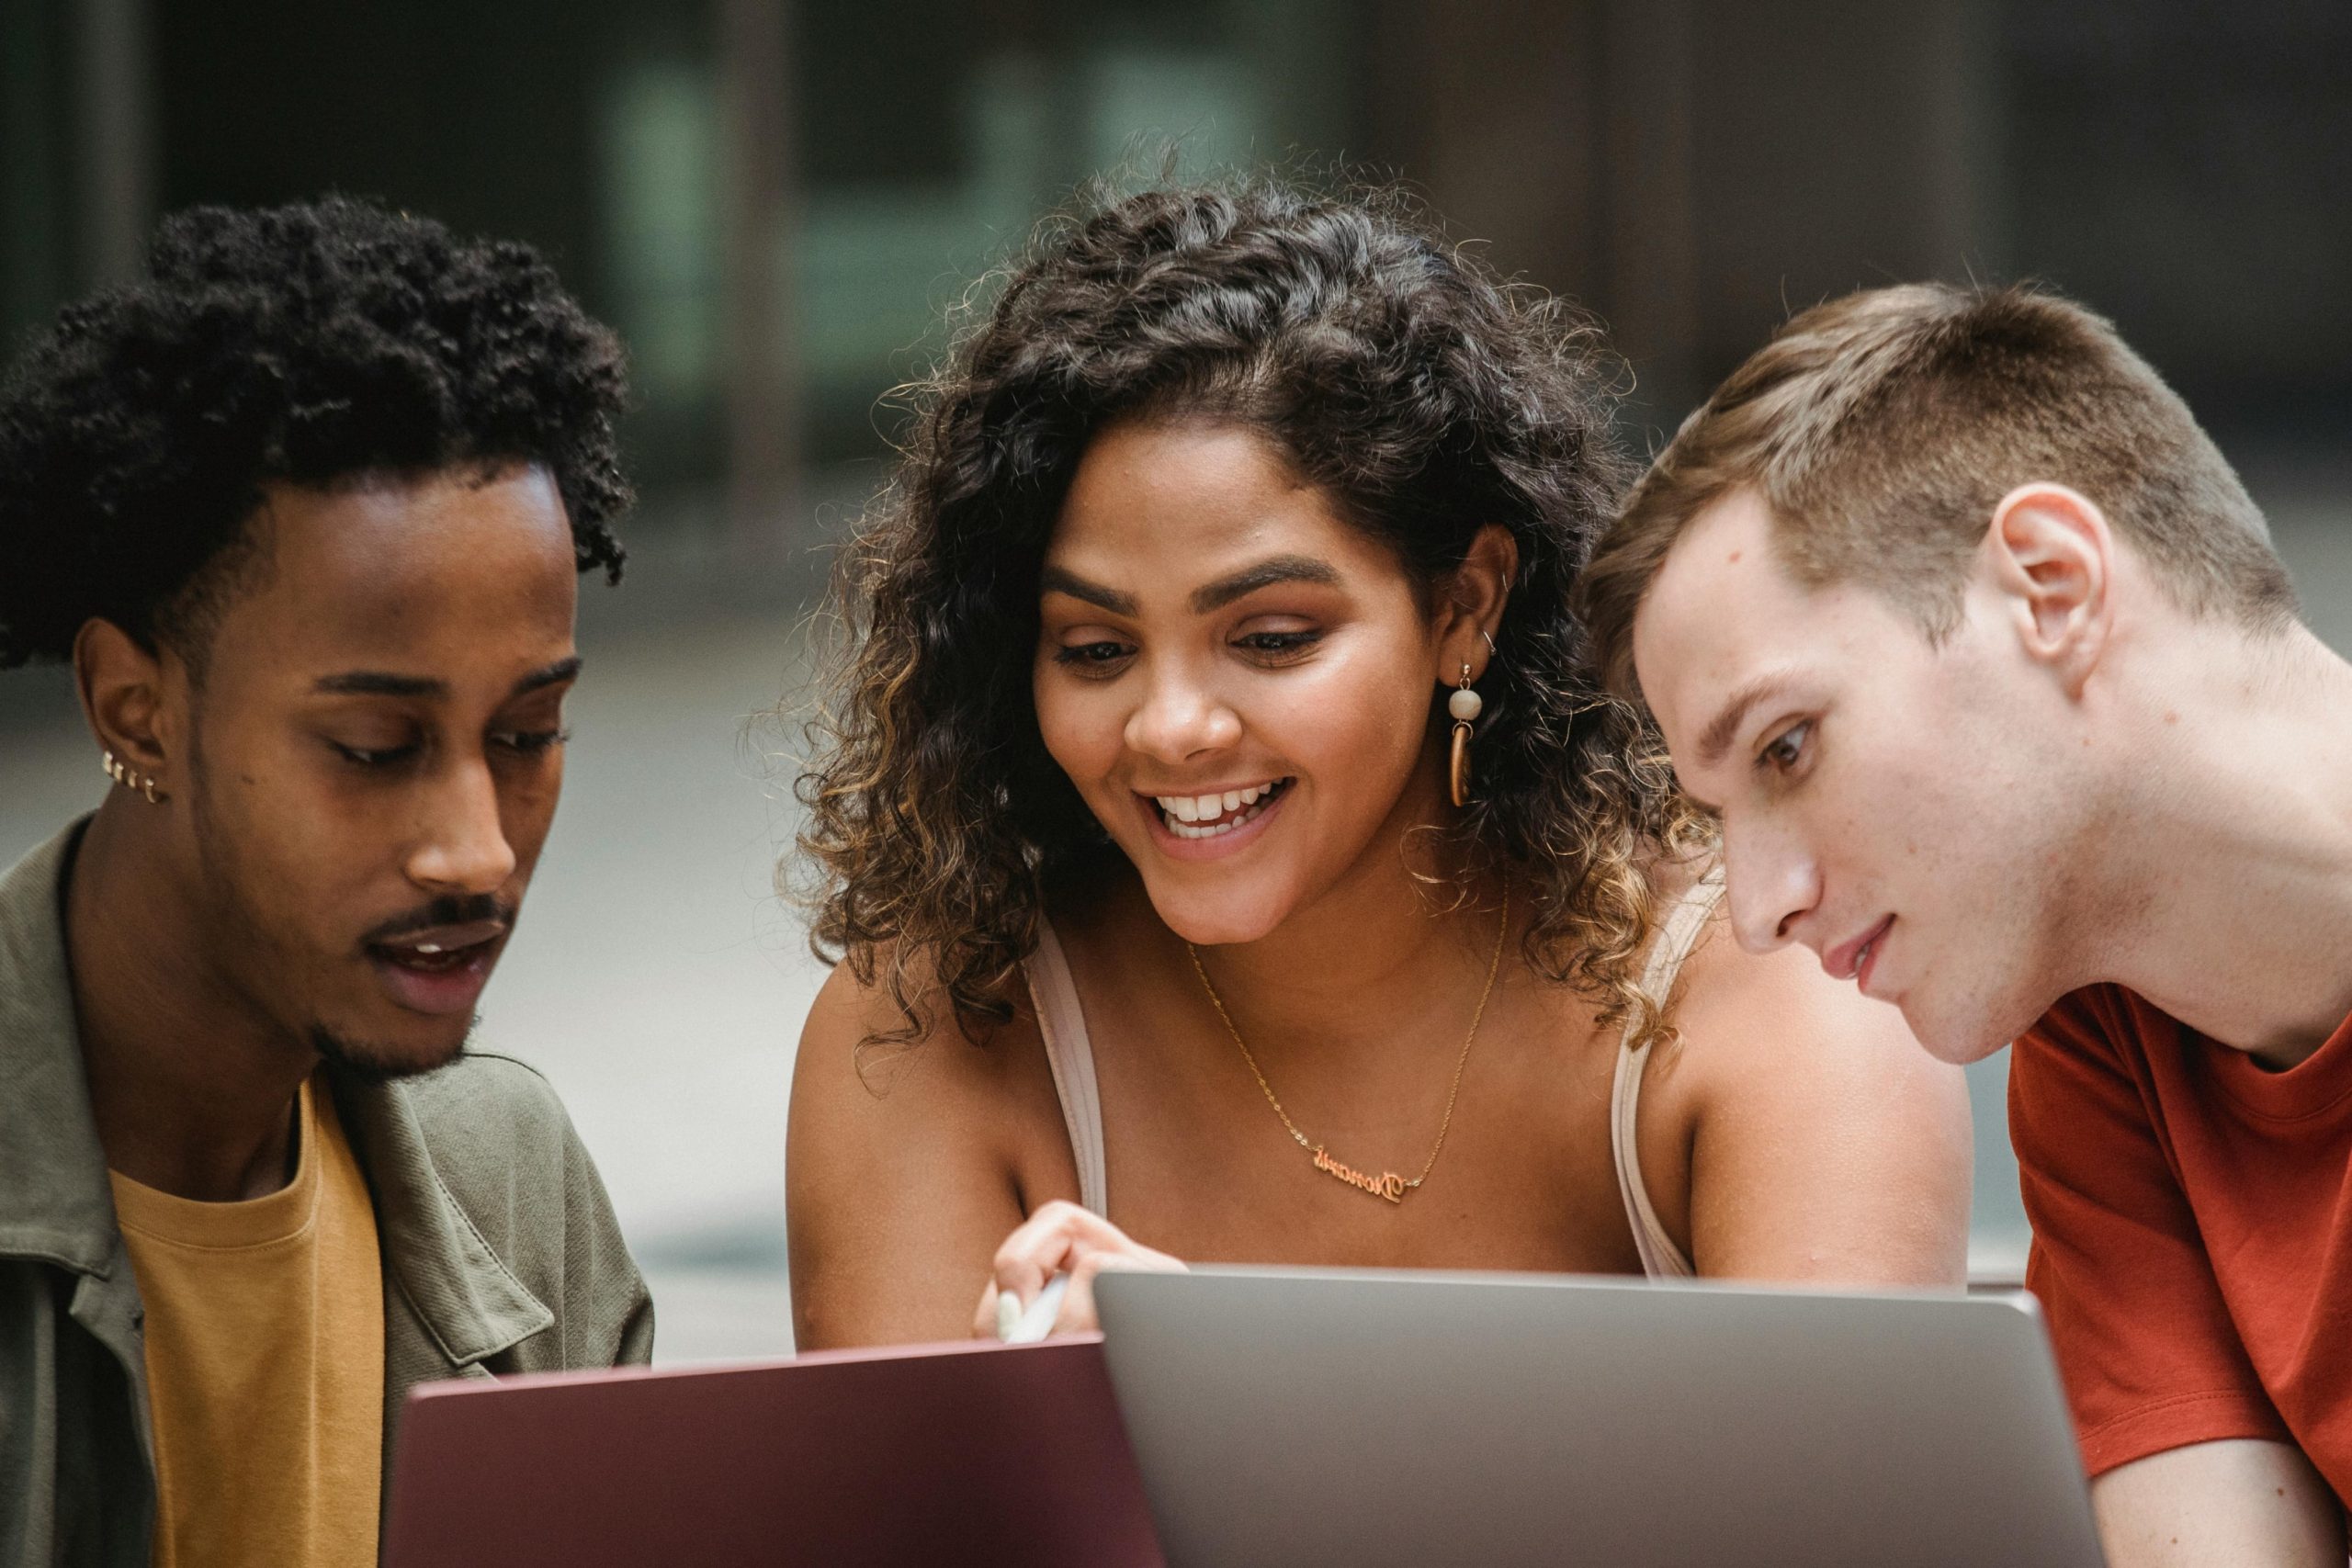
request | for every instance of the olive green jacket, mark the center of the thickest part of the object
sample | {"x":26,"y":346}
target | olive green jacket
{"x":501,"y":1253}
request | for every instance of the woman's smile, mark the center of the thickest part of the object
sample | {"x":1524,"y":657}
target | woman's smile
{"x":1213,"y":811}
{"x":1252,"y":639}
{"x":1212,"y":824}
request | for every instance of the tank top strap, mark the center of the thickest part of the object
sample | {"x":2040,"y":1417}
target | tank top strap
{"x":1062,"y":1023}
{"x":1661,"y":1259}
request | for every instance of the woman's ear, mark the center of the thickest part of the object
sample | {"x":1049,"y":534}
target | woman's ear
{"x":1470,"y":608}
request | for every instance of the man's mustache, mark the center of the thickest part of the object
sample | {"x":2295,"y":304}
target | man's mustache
{"x":451,"y":909}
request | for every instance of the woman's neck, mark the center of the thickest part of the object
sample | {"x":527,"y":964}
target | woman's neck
{"x":1406,"y":931}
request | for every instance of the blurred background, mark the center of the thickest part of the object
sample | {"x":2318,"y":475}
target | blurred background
{"x":778,"y":202}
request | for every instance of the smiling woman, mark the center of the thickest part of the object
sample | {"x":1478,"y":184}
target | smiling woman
{"x":1131,"y":821}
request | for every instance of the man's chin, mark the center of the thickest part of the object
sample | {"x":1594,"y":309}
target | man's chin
{"x":1956,"y":1040}
{"x":380,"y":1062}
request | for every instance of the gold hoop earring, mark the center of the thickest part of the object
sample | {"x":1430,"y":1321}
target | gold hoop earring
{"x":130,"y":778}
{"x":1465,"y":706}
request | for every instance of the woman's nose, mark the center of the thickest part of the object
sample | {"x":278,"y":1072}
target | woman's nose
{"x":1181,"y":718}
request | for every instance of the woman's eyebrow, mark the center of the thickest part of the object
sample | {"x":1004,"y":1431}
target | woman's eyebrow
{"x":1250,"y":579}
{"x":1054,"y":579}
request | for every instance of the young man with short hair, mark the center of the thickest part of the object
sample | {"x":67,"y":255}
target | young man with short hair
{"x":304,"y":508}
{"x":1947,"y":606}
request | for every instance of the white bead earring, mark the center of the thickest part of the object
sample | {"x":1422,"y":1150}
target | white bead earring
{"x":1465,"y":706}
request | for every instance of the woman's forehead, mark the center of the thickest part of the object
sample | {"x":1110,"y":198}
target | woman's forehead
{"x":1162,"y":507}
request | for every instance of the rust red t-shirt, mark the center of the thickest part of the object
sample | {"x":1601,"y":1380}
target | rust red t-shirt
{"x":2192,"y":1222}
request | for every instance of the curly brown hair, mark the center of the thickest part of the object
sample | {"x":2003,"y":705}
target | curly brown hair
{"x":1420,"y":391}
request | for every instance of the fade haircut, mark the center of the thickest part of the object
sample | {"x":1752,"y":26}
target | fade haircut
{"x":1881,"y":431}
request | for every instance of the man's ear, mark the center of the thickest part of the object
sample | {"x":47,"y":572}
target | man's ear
{"x":2051,"y":555}
{"x":122,"y":689}
{"x":1471,"y":605}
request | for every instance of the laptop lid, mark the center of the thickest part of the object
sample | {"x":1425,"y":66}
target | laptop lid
{"x":965,"y":1453}
{"x":1313,"y":1415}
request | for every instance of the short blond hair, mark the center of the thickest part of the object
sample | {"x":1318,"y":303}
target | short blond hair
{"x":1882,"y":429}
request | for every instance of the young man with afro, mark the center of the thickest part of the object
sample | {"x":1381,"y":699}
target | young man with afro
{"x":304,"y":508}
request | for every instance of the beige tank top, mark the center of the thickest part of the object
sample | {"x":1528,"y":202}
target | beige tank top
{"x":1070,"y":1054}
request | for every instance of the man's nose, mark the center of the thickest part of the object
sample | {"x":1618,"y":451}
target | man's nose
{"x":1181,"y":716}
{"x":462,"y":846}
{"x":1772,"y":883}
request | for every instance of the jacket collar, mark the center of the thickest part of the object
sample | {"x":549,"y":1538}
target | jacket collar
{"x":471,"y":1305}
{"x":54,"y":1201}
{"x":56,"y":1204}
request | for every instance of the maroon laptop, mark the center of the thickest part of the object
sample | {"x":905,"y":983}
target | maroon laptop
{"x":972,"y":1453}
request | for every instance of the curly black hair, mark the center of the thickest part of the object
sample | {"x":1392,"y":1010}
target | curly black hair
{"x":310,"y":343}
{"x":1425,"y":395}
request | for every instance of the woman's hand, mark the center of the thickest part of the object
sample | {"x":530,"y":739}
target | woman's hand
{"x":1062,"y":1238}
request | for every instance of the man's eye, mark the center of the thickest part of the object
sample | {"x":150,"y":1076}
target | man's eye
{"x":376,"y":756}
{"x":531,"y":742}
{"x":1784,"y":749}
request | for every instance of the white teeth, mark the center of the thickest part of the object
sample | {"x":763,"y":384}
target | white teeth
{"x":1206,"y":808}
{"x":1191,"y":816}
{"x":428,"y":947}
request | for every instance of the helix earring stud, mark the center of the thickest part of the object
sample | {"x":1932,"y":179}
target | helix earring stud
{"x":130,"y":778}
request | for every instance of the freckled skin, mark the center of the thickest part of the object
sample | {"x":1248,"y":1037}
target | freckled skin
{"x":1924,"y":790}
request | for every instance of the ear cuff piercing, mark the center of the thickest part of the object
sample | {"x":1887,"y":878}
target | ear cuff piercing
{"x":130,"y":778}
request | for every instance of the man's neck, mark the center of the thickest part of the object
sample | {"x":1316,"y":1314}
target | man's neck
{"x":2234,"y":911}
{"x":192,"y":1093}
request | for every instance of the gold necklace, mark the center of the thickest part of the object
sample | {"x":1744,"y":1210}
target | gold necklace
{"x":1387,"y":1184}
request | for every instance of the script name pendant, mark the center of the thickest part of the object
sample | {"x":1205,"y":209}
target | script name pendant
{"x":1387,"y":1184}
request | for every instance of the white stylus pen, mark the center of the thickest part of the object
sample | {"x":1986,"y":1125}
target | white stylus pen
{"x":1017,"y":1327}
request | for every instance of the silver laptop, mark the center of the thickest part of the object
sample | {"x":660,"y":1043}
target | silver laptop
{"x":1303,"y":1416}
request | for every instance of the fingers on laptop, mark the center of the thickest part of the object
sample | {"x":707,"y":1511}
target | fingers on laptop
{"x":1061,"y":1238}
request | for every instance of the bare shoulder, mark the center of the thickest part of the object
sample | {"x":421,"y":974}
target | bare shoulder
{"x":1825,"y":1143}
{"x":1773,"y":1007}
{"x":907,"y":1161}
{"x":859,"y":1063}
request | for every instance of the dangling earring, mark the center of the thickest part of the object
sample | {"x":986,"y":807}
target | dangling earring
{"x":130,"y":778}
{"x":1465,"y":706}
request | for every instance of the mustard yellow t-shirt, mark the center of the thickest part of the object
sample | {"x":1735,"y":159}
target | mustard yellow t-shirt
{"x":264,"y":1362}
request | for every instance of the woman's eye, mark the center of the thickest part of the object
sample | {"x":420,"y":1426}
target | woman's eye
{"x":1276,"y":644}
{"x":1091,"y":653}
{"x":1784,"y":749}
